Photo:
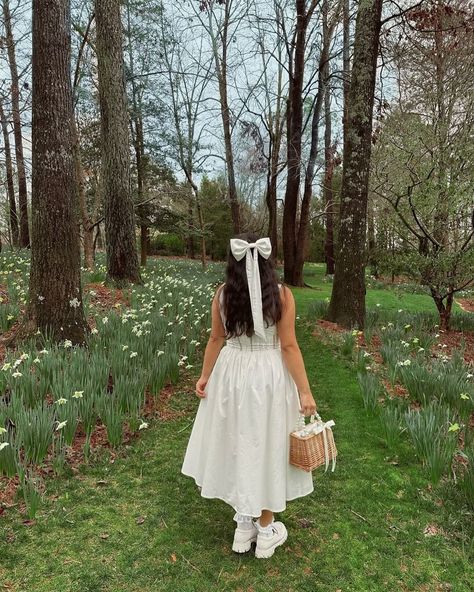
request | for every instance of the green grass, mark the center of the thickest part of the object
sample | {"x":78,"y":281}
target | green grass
{"x":389,"y":298}
{"x":138,"y":524}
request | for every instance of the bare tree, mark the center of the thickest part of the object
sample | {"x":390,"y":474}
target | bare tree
{"x":423,"y":161}
{"x":188,"y":78}
{"x":87,"y":218}
{"x":122,"y":259}
{"x":13,"y":217}
{"x":347,"y":305}
{"x":17,"y":129}
{"x":295,"y":230}
{"x":55,"y":294}
{"x":220,"y":19}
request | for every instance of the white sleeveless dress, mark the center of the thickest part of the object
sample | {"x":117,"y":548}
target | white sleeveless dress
{"x":238,"y":449}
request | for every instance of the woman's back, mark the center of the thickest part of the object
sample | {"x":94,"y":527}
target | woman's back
{"x":271,"y":339}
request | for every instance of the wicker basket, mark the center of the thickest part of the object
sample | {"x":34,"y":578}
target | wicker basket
{"x":312,"y":445}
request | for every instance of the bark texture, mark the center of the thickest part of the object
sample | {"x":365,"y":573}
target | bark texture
{"x":121,"y":253}
{"x":19,"y":155}
{"x":347,"y":305}
{"x":14,"y":227}
{"x":294,"y":133}
{"x":55,"y":296}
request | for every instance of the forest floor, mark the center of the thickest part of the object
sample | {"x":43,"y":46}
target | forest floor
{"x":130,"y":521}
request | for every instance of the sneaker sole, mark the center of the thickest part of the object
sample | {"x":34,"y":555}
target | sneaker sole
{"x":266,"y":553}
{"x":243,"y":547}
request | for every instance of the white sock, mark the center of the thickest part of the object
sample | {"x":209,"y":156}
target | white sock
{"x":265,"y":529}
{"x":244,"y":522}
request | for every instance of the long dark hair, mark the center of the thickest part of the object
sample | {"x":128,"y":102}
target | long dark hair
{"x":236,"y":299}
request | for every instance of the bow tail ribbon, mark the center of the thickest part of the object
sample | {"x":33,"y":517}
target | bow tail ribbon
{"x":241,"y":248}
{"x":255,"y":290}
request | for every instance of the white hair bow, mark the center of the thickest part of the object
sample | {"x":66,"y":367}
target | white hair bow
{"x":239,"y":248}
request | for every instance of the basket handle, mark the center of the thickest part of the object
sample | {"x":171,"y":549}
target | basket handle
{"x":311,"y":419}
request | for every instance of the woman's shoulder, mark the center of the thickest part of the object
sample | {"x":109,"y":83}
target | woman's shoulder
{"x":285,"y":292}
{"x":219,"y":290}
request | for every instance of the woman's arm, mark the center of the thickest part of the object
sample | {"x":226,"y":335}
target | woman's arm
{"x":291,"y":353}
{"x":213,"y":347}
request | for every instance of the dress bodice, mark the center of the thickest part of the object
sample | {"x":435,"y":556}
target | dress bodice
{"x":271,"y":339}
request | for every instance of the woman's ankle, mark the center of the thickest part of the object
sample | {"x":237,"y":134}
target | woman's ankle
{"x":266,"y":520}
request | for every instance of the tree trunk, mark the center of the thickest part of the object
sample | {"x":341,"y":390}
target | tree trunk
{"x":17,"y":131}
{"x":87,"y":228}
{"x":372,"y":260}
{"x":221,"y":68}
{"x":346,"y":63}
{"x":329,"y":150}
{"x":10,"y":184}
{"x":323,"y":90}
{"x":55,"y":293}
{"x":272,"y":179}
{"x":444,"y":310}
{"x":347,"y":305}
{"x":294,"y":133}
{"x":121,"y":253}
{"x":201,"y":223}
{"x":190,"y":238}
{"x":271,"y":200}
{"x":139,"y":154}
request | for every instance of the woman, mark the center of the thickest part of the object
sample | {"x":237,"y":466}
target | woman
{"x":252,"y":391}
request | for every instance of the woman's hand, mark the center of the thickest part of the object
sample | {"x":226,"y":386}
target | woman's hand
{"x":200,"y":386}
{"x":307,"y":404}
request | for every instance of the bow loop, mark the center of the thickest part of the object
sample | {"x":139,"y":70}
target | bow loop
{"x":241,"y":248}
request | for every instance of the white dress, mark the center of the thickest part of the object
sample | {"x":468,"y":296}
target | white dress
{"x":238,"y":449}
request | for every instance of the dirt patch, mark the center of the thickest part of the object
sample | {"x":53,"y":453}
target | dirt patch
{"x":395,"y":390}
{"x":105,"y":297}
{"x":454,"y":340}
{"x":467,"y":304}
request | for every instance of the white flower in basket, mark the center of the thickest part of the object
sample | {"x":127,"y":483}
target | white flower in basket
{"x":312,"y":444}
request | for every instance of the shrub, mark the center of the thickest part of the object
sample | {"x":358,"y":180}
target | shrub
{"x":167,"y":244}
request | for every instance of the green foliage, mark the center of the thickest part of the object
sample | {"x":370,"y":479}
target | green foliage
{"x":167,"y":244}
{"x":34,"y":429}
{"x":466,"y":482}
{"x":392,"y":423}
{"x":434,"y":443}
{"x":347,"y":344}
{"x":371,"y":390}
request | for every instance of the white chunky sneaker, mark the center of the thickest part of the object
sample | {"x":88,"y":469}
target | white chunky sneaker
{"x":245,"y":534}
{"x":269,"y":538}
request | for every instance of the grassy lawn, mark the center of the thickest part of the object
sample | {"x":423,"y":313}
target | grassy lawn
{"x":390,"y":298}
{"x":138,"y":524}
